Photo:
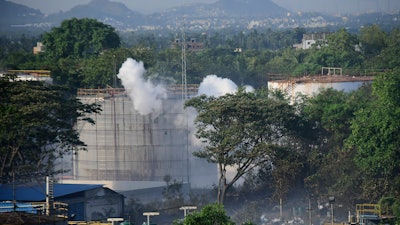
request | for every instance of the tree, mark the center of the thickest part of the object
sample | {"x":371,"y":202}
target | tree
{"x":100,"y":71}
{"x":37,"y":127}
{"x":330,"y":113}
{"x":79,"y":38}
{"x":339,"y":50}
{"x":241,"y":131}
{"x":373,"y":40}
{"x":376,"y":138}
{"x":213,"y":214}
{"x":389,"y":56}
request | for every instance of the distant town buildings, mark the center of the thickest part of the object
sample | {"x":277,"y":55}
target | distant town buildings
{"x":310,"y":39}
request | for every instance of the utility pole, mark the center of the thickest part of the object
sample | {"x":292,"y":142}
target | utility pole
{"x":186,"y":209}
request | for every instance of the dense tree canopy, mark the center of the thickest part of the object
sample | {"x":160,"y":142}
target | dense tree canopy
{"x":36,"y":127}
{"x":242,"y":130}
{"x":80,"y":38}
{"x":375,"y":136}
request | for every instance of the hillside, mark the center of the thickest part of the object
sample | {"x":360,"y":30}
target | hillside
{"x":249,"y":8}
{"x":223,"y":14}
{"x":114,"y":13}
{"x":12,"y":14}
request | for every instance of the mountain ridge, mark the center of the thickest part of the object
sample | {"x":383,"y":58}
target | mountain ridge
{"x":16,"y":14}
{"x":106,"y":11}
{"x":223,"y":14}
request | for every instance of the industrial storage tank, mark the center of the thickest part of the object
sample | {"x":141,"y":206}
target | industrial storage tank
{"x":311,"y":85}
{"x":142,"y":135}
{"x":127,"y":150}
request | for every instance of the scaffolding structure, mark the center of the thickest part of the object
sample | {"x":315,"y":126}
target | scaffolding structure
{"x":129,"y":151}
{"x":126,"y":146}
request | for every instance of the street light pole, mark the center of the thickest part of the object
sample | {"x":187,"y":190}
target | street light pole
{"x":309,"y":210}
{"x":331,"y":201}
{"x":148,"y":214}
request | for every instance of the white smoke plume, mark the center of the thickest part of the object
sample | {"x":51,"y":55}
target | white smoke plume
{"x":216,"y":86}
{"x":146,"y":97}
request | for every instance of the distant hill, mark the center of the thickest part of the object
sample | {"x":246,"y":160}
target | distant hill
{"x":230,"y":9}
{"x":12,"y":14}
{"x":249,"y":8}
{"x":223,"y":14}
{"x":113,"y":13}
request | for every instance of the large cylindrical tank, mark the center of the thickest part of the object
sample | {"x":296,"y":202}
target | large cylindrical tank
{"x":124,"y":146}
{"x":312,"y":85}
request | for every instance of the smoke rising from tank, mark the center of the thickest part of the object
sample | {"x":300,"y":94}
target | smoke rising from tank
{"x":212,"y":85}
{"x":146,"y":97}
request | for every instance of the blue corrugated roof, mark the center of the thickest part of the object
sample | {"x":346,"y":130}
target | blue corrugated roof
{"x":20,"y":207}
{"x":38,"y":192}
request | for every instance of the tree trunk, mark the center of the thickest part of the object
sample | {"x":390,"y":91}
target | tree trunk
{"x":221,"y":185}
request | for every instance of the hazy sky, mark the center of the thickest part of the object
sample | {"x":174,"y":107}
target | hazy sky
{"x":144,"y":6}
{"x":150,"y":6}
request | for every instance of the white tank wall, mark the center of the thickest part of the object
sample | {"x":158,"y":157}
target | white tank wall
{"x":134,"y":151}
{"x":311,"y":88}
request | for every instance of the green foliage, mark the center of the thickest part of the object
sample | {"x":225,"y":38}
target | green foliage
{"x":37,"y":127}
{"x":213,"y":214}
{"x":330,"y":113}
{"x":388,"y":56}
{"x":248,"y":214}
{"x":375,"y":136}
{"x":241,"y":130}
{"x":340,"y":50}
{"x":373,"y":40}
{"x":17,"y":51}
{"x":98,"y":72}
{"x":79,"y":38}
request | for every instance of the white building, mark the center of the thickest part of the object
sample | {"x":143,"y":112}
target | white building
{"x":310,"y":39}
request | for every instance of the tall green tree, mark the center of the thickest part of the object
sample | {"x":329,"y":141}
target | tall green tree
{"x":389,"y":56}
{"x":36,"y":127}
{"x":376,"y":138}
{"x":241,"y":131}
{"x":77,"y":40}
{"x":339,"y":50}
{"x":80,"y":38}
{"x":373,"y":40}
{"x":331,"y":112}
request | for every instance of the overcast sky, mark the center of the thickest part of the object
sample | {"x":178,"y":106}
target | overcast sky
{"x":150,"y":6}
